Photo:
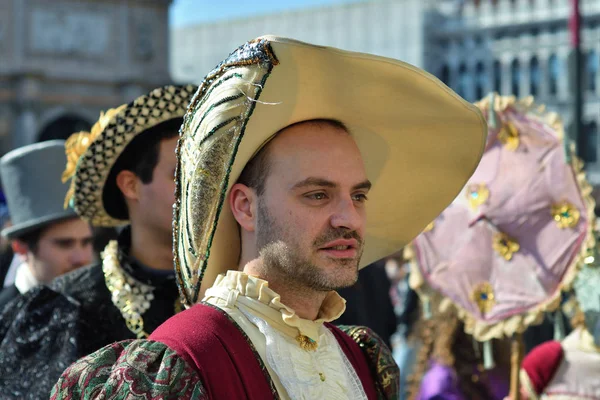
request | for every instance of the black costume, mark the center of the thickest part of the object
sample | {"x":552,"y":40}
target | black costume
{"x":50,"y":327}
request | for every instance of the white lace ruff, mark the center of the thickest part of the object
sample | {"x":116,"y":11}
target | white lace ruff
{"x":298,"y":370}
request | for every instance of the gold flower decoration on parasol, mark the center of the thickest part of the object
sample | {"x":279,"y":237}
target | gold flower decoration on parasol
{"x":78,"y":143}
{"x":509,"y":136}
{"x":565,"y":215}
{"x":505,"y":246}
{"x":483,"y":296}
{"x":477,"y":194}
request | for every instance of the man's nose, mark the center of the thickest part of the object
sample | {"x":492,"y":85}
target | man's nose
{"x":346,"y":215}
{"x":81,"y":256}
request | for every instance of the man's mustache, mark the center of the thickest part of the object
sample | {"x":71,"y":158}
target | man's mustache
{"x":338,"y":233}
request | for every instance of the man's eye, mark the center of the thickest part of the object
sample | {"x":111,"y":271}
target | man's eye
{"x":360,"y":197}
{"x":317,"y":196}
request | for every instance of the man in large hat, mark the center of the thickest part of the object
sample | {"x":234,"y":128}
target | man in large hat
{"x":121,"y":175}
{"x":281,"y":148}
{"x":51,"y":240}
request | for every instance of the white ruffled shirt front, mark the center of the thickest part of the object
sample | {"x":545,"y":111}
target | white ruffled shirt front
{"x":298,"y":374}
{"x":24,"y":279}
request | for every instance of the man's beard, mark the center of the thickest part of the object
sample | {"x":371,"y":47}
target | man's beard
{"x":286,"y":259}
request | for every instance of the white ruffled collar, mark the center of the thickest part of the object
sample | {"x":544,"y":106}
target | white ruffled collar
{"x":254,"y":293}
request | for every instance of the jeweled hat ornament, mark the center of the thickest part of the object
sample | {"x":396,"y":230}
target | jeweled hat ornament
{"x":398,"y":115}
{"x":92,"y":155}
{"x":519,"y":231}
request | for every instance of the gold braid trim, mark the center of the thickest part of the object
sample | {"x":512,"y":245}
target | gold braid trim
{"x":129,"y":295}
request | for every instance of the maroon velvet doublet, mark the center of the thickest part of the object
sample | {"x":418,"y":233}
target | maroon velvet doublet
{"x":229,"y":366}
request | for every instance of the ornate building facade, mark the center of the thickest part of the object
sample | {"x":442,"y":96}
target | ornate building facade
{"x":515,"y":47}
{"x":518,"y":47}
{"x":63,"y":61}
{"x":389,"y":28}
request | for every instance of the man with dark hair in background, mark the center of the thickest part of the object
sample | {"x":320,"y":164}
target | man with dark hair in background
{"x":50,"y":241}
{"x":122,"y":174}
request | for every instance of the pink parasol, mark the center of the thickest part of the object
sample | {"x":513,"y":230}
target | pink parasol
{"x":516,"y":235}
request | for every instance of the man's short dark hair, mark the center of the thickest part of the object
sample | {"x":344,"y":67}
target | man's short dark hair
{"x":140,"y":157}
{"x":32,"y":238}
{"x":255,"y":173}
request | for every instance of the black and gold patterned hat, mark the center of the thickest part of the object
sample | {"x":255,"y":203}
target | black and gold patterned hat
{"x":419,"y":140}
{"x":92,"y":155}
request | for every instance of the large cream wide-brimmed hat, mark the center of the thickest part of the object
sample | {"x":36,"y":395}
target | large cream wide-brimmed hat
{"x":419,"y":140}
{"x":92,"y":155}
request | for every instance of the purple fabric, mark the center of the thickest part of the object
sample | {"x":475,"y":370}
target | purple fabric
{"x":441,"y":383}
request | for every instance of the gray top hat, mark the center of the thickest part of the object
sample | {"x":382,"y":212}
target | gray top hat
{"x":35,"y":194}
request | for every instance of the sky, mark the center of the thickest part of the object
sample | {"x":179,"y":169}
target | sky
{"x":186,"y":12}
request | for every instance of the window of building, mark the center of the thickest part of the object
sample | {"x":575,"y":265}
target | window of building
{"x":592,"y":70}
{"x":445,"y":74}
{"x":480,"y":80}
{"x":590,"y":153}
{"x":553,"y":74}
{"x":497,"y":76}
{"x":515,"y":72}
{"x":535,"y":77}
{"x":463,"y":81}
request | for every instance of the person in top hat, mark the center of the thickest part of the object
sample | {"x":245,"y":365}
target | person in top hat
{"x":122,"y":174}
{"x":8,"y":260}
{"x":281,"y":147}
{"x":50,"y":240}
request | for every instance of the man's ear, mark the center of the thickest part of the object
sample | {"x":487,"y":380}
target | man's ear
{"x":19,"y":247}
{"x":243,"y":203}
{"x":128,"y":183}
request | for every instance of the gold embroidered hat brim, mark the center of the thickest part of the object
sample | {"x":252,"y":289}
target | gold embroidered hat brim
{"x":95,"y":164}
{"x":419,"y":140}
